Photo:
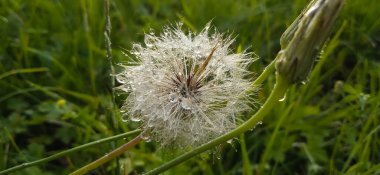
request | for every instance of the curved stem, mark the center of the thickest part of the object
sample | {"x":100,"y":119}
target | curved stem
{"x":278,"y":92}
{"x":108,"y":156}
{"x":69,"y":151}
{"x":267,"y":71}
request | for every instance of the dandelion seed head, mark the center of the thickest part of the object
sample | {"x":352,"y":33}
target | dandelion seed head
{"x":185,"y":89}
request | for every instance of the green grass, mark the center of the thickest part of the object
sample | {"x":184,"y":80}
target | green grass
{"x":55,"y":90}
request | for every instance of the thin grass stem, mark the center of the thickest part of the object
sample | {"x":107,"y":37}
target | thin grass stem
{"x":69,"y":151}
{"x":108,"y":156}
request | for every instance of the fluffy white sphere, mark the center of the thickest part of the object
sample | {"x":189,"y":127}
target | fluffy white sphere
{"x":185,"y":88}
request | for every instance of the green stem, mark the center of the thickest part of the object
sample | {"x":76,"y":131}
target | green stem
{"x":66,"y":152}
{"x":108,"y":156}
{"x":267,"y":71}
{"x":247,"y":169}
{"x":278,"y":92}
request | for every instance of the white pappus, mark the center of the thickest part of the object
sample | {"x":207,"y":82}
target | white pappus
{"x":186,"y":89}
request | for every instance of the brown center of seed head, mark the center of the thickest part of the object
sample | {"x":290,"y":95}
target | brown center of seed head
{"x":189,"y":85}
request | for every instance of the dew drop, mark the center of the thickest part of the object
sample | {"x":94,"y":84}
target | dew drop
{"x":148,"y":139}
{"x":120,"y":80}
{"x":135,"y":118}
{"x":145,"y":137}
{"x":172,"y":98}
{"x":282,"y":99}
{"x":126,"y":88}
{"x":124,"y":117}
{"x":123,"y":109}
{"x":148,"y":42}
{"x":136,"y":48}
{"x":230,"y":141}
{"x":258,"y":123}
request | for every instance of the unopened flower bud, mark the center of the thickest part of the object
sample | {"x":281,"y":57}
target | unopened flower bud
{"x":302,"y":41}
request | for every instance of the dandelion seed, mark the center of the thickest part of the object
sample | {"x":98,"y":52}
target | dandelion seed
{"x":185,"y":88}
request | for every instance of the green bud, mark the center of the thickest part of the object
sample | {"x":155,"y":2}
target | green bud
{"x":302,"y":41}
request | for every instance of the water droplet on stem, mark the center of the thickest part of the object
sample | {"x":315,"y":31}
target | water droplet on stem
{"x":282,"y":99}
{"x":124,"y":117}
{"x":135,"y":118}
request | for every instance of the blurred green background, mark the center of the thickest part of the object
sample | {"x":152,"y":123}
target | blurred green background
{"x":55,"y":90}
